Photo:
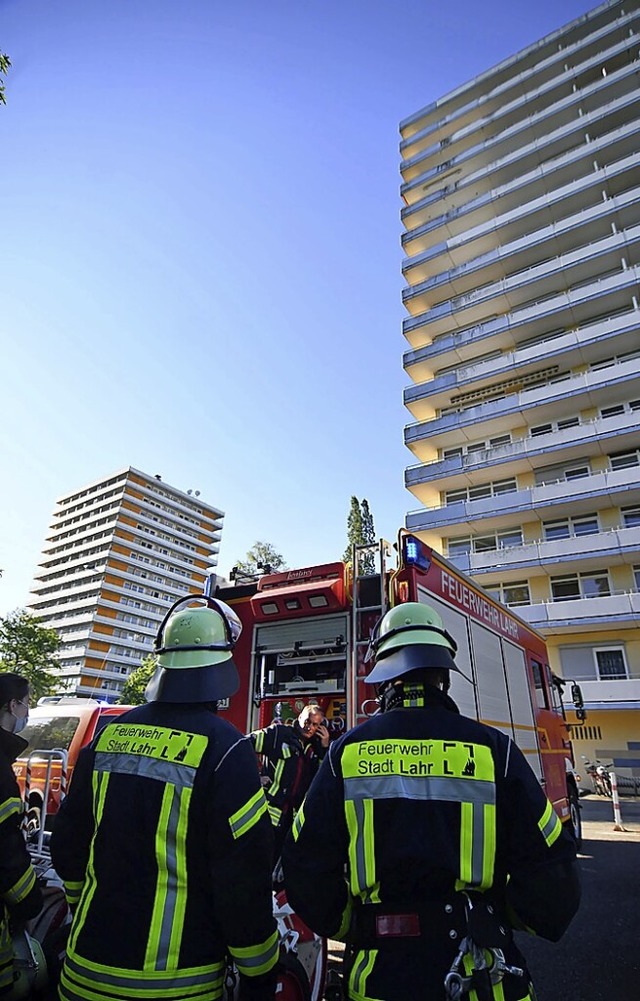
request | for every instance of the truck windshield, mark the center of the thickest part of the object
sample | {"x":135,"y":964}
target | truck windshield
{"x":48,"y":732}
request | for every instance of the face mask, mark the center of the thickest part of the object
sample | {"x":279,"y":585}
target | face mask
{"x":21,"y":722}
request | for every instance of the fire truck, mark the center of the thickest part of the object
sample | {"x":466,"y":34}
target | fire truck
{"x":306,"y":633}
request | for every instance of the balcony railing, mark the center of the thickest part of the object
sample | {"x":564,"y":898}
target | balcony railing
{"x":569,"y":385}
{"x":611,"y":609}
{"x":616,"y":541}
{"x":534,"y":498}
{"x":583,"y":433}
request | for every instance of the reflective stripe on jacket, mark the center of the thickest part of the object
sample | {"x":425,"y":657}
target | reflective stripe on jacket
{"x":165,"y":845}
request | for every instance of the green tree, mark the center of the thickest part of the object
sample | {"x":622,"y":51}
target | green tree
{"x":5,"y":63}
{"x":360,"y":532}
{"x":132,"y":693}
{"x":354,"y":529}
{"x":262,"y":558}
{"x":29,"y":648}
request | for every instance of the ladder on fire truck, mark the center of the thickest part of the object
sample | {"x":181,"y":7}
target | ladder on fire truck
{"x":371,"y":563}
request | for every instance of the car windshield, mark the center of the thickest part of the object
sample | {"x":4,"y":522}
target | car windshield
{"x":48,"y":732}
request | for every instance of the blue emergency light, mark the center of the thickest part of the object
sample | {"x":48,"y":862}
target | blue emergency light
{"x":415,"y":553}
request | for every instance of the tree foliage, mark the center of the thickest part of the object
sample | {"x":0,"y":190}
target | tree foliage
{"x":5,"y":63}
{"x":29,"y":648}
{"x":132,"y":693}
{"x":262,"y":558}
{"x":360,"y":532}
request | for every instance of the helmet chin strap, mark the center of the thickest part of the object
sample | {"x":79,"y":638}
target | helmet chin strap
{"x":392,"y":695}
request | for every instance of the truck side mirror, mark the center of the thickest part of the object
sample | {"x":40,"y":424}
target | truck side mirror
{"x":578,"y":701}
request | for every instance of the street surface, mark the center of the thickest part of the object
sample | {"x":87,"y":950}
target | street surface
{"x":599,"y":957}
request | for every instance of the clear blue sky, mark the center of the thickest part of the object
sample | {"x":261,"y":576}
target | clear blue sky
{"x":201,"y":262}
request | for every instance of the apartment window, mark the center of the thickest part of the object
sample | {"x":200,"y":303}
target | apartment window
{"x":584,"y":585}
{"x":631,"y":516}
{"x":515,"y":593}
{"x":612,"y":411}
{"x":481,"y":492}
{"x":610,"y":663}
{"x":556,"y":474}
{"x":636,"y":578}
{"x":624,"y":460}
{"x":566,"y":528}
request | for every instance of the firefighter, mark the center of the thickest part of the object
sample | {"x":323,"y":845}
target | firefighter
{"x":291,"y":757}
{"x":20,"y":896}
{"x":164,"y":842}
{"x":448,"y":838}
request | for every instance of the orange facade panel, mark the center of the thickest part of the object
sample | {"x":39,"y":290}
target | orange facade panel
{"x":109,"y":578}
{"x":98,"y":645}
{"x":110,"y":596}
{"x":108,"y":613}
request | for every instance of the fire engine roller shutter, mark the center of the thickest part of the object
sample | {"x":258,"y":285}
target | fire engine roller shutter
{"x":280,"y":637}
{"x":461,"y":691}
{"x":521,"y":707}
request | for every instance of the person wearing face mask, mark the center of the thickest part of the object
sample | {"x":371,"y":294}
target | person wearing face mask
{"x":20,"y":896}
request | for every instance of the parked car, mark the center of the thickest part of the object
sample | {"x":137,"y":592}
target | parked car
{"x":58,"y":723}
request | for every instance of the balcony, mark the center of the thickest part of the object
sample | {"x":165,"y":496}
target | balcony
{"x":614,"y":547}
{"x":552,"y":104}
{"x":554,"y":399}
{"x":575,"y":496}
{"x":514,"y":244}
{"x":576,"y":615}
{"x":561,"y":274}
{"x":460,"y":212}
{"x":579,"y":346}
{"x":586,"y":439}
{"x":611,"y":100}
{"x":540,"y":62}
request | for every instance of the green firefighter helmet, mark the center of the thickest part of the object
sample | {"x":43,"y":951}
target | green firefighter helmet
{"x":408,"y":637}
{"x":193,"y":647}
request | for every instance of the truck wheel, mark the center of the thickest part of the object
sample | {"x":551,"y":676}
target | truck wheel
{"x":575,"y":816}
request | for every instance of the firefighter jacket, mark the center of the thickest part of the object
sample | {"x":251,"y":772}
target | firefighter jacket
{"x":164,"y":846}
{"x":429,"y":810}
{"x":290,"y":763}
{"x":20,"y":896}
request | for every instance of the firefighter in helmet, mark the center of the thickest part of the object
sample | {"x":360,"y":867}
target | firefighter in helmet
{"x":448,"y":838}
{"x":164,"y":841}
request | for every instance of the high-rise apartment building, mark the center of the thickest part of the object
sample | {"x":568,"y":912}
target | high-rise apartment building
{"x":118,"y":553}
{"x":522,"y":219}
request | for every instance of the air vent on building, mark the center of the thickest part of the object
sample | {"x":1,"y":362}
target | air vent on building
{"x":523,"y":381}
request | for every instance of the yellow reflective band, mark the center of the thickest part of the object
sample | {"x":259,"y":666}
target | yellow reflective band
{"x":254,"y":960}
{"x":277,"y":777}
{"x":100,"y":784}
{"x":369,"y":845}
{"x":360,"y":971}
{"x":418,"y":758}
{"x":345,"y":922}
{"x":489,"y":846}
{"x":137,"y":986}
{"x":8,"y":807}
{"x":153,"y":941}
{"x":243,"y":819}
{"x":173,"y":746}
{"x":258,"y":740}
{"x":466,"y":843}
{"x":550,"y":825}
{"x":21,"y":888}
{"x":275,"y":814}
{"x":180,"y":905}
{"x":298,"y":822}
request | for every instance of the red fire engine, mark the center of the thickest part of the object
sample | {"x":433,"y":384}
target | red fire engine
{"x":306,"y":633}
